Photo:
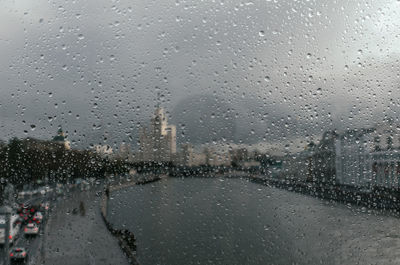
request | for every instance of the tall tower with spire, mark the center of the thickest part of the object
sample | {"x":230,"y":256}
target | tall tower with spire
{"x":158,"y":142}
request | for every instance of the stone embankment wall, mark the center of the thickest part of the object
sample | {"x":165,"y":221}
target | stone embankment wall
{"x":126,"y":239}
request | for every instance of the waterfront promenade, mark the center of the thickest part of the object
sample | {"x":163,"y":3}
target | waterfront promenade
{"x":73,"y":239}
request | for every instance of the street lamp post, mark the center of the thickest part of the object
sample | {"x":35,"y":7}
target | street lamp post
{"x":6,"y":212}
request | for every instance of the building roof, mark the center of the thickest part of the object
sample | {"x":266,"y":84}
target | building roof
{"x":60,"y":137}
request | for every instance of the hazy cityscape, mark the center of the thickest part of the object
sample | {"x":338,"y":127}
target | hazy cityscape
{"x":359,"y":160}
{"x":199,"y":132}
{"x":359,"y":167}
{"x":364,"y":158}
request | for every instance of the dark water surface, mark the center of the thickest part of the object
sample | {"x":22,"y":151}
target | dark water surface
{"x":233,"y":221}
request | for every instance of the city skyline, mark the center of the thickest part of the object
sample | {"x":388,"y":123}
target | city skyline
{"x":224,"y":146}
{"x":272,"y":80}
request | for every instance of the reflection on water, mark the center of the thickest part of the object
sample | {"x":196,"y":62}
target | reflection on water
{"x":233,"y":221}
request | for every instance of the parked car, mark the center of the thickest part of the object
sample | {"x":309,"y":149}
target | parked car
{"x":37,"y":217}
{"x":18,"y":254}
{"x":31,"y":229}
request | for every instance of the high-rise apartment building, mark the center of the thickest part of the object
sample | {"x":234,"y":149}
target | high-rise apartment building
{"x":158,"y":141}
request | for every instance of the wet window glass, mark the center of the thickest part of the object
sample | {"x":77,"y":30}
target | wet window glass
{"x":199,"y":132}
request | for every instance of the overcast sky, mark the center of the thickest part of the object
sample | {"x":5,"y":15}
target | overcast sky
{"x":240,"y":71}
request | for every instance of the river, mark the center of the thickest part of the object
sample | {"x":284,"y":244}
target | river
{"x":234,"y":221}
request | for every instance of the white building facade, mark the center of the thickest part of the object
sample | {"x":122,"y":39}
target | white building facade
{"x":103,"y":150}
{"x":369,"y":157}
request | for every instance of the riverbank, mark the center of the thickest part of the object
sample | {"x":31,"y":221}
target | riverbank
{"x":126,"y":239}
{"x":379,"y":199}
{"x":137,"y":180}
